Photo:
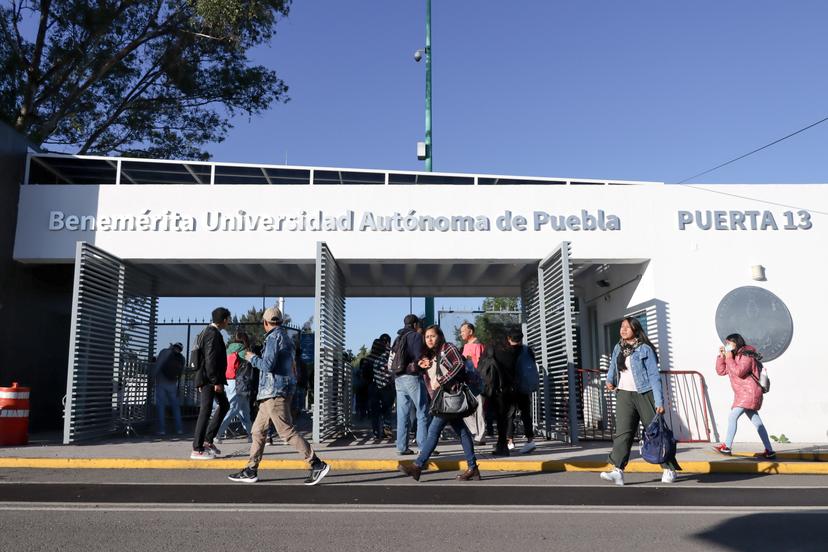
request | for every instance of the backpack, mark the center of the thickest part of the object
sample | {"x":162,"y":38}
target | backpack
{"x":397,"y":364}
{"x":763,"y":381}
{"x":196,"y":355}
{"x":490,"y":373}
{"x":233,"y":363}
{"x":173,"y":366}
{"x":657,"y":442}
{"x":528,"y":380}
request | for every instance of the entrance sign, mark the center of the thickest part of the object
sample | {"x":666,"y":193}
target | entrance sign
{"x":759,"y":316}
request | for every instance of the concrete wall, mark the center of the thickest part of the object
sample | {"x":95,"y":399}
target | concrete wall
{"x":35,"y":302}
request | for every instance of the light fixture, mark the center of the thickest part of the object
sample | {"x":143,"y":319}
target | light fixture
{"x":757,"y":272}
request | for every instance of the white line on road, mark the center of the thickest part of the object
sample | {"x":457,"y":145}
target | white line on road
{"x":403,"y":508}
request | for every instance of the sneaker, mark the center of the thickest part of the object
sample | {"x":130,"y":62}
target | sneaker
{"x":247,"y":475}
{"x":500,"y":452}
{"x":723,"y":449}
{"x":668,"y":476}
{"x":528,"y":447}
{"x":269,"y":442}
{"x":205,"y":454}
{"x":213,"y":448}
{"x":510,"y":445}
{"x":317,"y":472}
{"x":767,"y":455}
{"x":406,"y":452}
{"x":388,"y":433}
{"x":616,"y":476}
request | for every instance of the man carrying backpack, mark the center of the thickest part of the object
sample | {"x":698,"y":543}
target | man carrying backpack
{"x":210,"y":380}
{"x":526,"y":383}
{"x":408,"y":381}
{"x":169,"y":367}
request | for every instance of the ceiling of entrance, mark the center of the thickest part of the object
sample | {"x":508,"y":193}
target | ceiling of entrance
{"x":363,"y":279}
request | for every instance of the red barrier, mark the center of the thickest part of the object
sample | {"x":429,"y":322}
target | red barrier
{"x":14,"y":415}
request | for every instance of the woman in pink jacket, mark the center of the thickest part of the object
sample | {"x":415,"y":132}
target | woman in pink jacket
{"x":737,"y":360}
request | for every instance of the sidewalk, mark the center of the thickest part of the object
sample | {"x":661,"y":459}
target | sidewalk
{"x":45,"y":451}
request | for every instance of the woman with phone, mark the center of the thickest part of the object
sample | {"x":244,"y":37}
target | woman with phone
{"x":452,"y":372}
{"x":737,"y":360}
{"x":633,"y":376}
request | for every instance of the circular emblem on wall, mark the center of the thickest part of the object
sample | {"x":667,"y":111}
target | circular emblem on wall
{"x":759,"y":316}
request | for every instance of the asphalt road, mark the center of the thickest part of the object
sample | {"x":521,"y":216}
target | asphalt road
{"x":154,"y":510}
{"x":153,"y":528}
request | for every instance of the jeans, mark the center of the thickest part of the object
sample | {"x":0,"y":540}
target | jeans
{"x":205,"y":432}
{"x":631,"y":408}
{"x":435,"y":428}
{"x":382,"y":400}
{"x":166,"y":393}
{"x":524,"y":404}
{"x":753,"y":416}
{"x":239,"y":406}
{"x":411,"y":392}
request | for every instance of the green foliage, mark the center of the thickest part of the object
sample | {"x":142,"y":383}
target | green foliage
{"x":142,"y":78}
{"x":254,"y":331}
{"x":499,"y":316}
{"x":362,"y":353}
{"x":780,"y":439}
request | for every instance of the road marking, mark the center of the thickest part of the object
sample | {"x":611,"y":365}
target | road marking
{"x":403,"y":508}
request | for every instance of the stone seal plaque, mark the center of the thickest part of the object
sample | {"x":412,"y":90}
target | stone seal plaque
{"x":759,"y":316}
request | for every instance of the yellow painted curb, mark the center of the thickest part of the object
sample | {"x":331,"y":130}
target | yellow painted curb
{"x":727,"y":466}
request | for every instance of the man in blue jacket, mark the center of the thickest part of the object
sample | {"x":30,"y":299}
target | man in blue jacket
{"x":276,"y":387}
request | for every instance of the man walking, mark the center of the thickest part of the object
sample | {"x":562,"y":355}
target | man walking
{"x":506,"y":354}
{"x":276,"y":387}
{"x":524,"y":386}
{"x":472,"y":349}
{"x":169,"y":367}
{"x":408,"y":381}
{"x":210,"y":380}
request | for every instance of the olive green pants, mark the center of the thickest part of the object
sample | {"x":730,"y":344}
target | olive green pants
{"x":630,"y":409}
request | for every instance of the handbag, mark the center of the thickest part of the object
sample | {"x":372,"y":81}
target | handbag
{"x":452,"y":405}
{"x":657,"y":443}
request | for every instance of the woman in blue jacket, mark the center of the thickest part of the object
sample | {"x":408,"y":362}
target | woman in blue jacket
{"x":633,"y":376}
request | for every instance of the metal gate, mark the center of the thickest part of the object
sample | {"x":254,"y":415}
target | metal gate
{"x":548,"y":304}
{"x":112,"y":339}
{"x":332,"y":381}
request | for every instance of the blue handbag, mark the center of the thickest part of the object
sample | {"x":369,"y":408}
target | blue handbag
{"x":657,"y":444}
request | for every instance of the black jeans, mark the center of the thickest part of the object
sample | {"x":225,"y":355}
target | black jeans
{"x":204,"y":432}
{"x":382,"y":401}
{"x":524,"y":404}
{"x":503,"y":405}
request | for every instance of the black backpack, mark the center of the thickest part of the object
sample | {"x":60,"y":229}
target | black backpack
{"x":173,"y":366}
{"x":490,"y":373}
{"x":397,"y":362}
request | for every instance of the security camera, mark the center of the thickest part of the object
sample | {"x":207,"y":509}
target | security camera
{"x":418,"y":55}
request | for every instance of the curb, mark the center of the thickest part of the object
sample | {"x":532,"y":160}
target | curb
{"x":550,"y":466}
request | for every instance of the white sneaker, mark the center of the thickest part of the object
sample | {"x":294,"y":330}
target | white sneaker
{"x":616,"y":476}
{"x":528,"y":447}
{"x":207,"y":454}
{"x":510,"y":445}
{"x":668,"y":476}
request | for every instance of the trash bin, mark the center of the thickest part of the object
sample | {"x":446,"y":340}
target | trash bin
{"x":14,"y":415}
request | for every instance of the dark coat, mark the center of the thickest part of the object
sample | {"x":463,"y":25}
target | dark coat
{"x":214,"y":353}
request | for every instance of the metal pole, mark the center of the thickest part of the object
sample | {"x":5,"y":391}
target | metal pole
{"x":429,"y":156}
{"x":429,"y":301}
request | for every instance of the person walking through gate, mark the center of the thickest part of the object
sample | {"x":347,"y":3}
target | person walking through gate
{"x":472,"y":349}
{"x":169,"y":367}
{"x":381,"y":390}
{"x":633,"y":375}
{"x":500,"y":386}
{"x":408,"y":382}
{"x":447,"y":357}
{"x":210,"y":381}
{"x":740,"y":362}
{"x":276,"y":386}
{"x":523,"y":397}
{"x":238,"y":385}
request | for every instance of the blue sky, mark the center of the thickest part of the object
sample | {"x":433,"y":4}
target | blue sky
{"x":646,"y":90}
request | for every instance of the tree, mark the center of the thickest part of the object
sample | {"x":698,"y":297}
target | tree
{"x":142,"y":78}
{"x":499,"y":316}
{"x":252,"y":321}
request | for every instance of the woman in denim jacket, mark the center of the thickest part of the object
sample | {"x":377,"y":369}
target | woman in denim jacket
{"x":633,"y":376}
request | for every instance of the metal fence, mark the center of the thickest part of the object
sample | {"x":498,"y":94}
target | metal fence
{"x":686,"y":405}
{"x":112,"y":339}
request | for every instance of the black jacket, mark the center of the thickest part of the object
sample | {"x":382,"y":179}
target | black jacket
{"x":413,"y":349}
{"x":214,"y":352}
{"x":506,"y":357}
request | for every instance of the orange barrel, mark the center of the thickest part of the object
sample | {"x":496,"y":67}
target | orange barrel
{"x":14,"y":415}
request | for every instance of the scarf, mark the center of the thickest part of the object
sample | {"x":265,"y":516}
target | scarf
{"x":626,"y":350}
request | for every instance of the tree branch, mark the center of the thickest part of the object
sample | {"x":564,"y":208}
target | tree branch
{"x":33,"y":70}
